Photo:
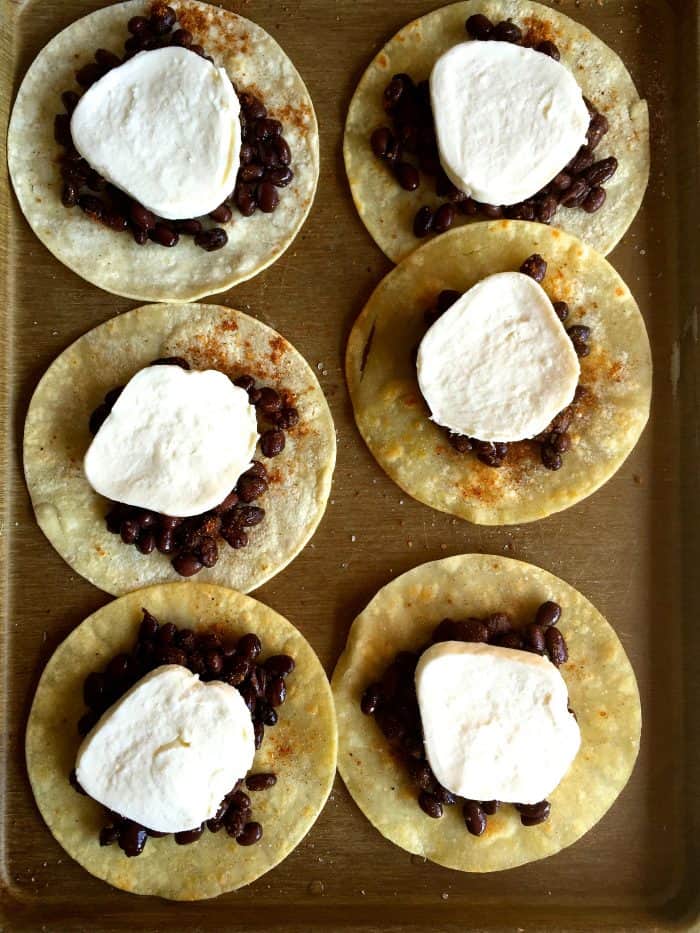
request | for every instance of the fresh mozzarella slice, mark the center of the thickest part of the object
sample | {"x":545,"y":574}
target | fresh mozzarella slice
{"x":175,"y":441}
{"x":498,"y":365}
{"x":169,"y":751}
{"x":163,"y":127}
{"x":507,"y":119}
{"x":495,"y":721}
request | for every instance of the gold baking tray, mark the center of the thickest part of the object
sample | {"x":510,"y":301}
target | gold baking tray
{"x":633,"y":548}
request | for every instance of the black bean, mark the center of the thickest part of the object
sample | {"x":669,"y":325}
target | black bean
{"x":594,"y":200}
{"x":423,"y":222}
{"x":491,"y":453}
{"x":259,"y":732}
{"x":393,"y":92}
{"x":132,"y":839}
{"x":546,"y":208}
{"x":252,"y":172}
{"x":460,"y":443}
{"x":498,"y":623}
{"x":601,"y":171}
{"x":548,"y":614}
{"x":69,"y":195}
{"x":257,"y":468}
{"x":470,"y":630}
{"x":91,"y":205}
{"x":575,"y":195}
{"x":181,"y":37}
{"x":252,"y":833}
{"x":229,"y":502}
{"x":550,"y":458}
{"x":249,"y":515}
{"x":222,"y":214}
{"x":280,"y":176}
{"x":187,"y":564}
{"x":114,"y":220}
{"x":381,"y":140}
{"x":430,"y":804}
{"x":505,"y":31}
{"x":581,"y":162}
{"x":562,"y":422}
{"x":534,"y":637}
{"x":468,"y":206}
{"x":561,"y":182}
{"x":268,"y":198}
{"x":370,"y":699}
{"x":560,"y":442}
{"x":107,"y":59}
{"x":509,"y":640}
{"x":164,"y":235}
{"x":138,"y":25}
{"x":474,"y":817}
{"x":286,"y":418}
{"x":166,"y":634}
{"x":70,"y":100}
{"x":520,"y":211}
{"x":98,"y":418}
{"x":61,"y":129}
{"x":109,"y":835}
{"x":280,"y":665}
{"x":490,"y":806}
{"x":245,"y":200}
{"x":237,"y":671}
{"x":190,"y":227}
{"x":88,"y":74}
{"x":407,"y":175}
{"x":87,"y":721}
{"x":211,"y":240}
{"x":444,"y":218}
{"x":479,"y":26}
{"x":561,"y":309}
{"x":261,"y":781}
{"x":253,"y":107}
{"x":140,"y":236}
{"x":534,"y":813}
{"x":269,"y":400}
{"x":266,"y":714}
{"x":257,"y":679}
{"x":548,"y":48}
{"x":130,"y":531}
{"x":491,"y":211}
{"x":556,"y":646}
{"x":579,"y":335}
{"x":185,"y":639}
{"x":535,"y":267}
{"x":249,"y":646}
{"x":94,"y":689}
{"x":272,"y":442}
{"x":149,"y":627}
{"x":162,"y":19}
{"x":597,"y":128}
{"x":146,"y":542}
{"x":276,"y":691}
{"x":188,"y":836}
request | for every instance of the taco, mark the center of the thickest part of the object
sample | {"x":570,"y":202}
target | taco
{"x":449,"y":660}
{"x":223,"y":644}
{"x":523,"y":114}
{"x":164,"y":152}
{"x":449,"y":336}
{"x":172,"y":435}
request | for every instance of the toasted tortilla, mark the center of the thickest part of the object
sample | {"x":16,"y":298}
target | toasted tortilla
{"x":56,"y":436}
{"x":395,"y":421}
{"x":301,"y":749}
{"x":388,"y":211}
{"x":602,"y":691}
{"x":113,"y":261}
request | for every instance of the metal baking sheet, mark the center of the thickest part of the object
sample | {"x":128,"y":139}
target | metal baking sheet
{"x":632,"y":547}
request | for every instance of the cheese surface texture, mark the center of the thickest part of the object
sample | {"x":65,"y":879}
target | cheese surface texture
{"x":495,"y":721}
{"x":163,"y":127}
{"x":507,"y":119}
{"x":498,"y":365}
{"x":169,"y":751}
{"x":175,"y":442}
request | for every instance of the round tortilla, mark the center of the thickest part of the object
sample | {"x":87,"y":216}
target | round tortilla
{"x":388,"y":211}
{"x":113,"y":261}
{"x":56,"y":436}
{"x":394,"y":419}
{"x":602,"y":691}
{"x":301,"y":749}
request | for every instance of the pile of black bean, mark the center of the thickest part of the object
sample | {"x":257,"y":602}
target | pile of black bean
{"x":555,"y":440}
{"x":192,"y":543}
{"x":261,"y":684}
{"x":394,"y":705}
{"x":265,"y":154}
{"x":578,"y":184}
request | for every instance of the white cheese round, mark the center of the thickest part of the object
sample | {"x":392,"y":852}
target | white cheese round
{"x":175,"y":441}
{"x":169,"y":751}
{"x":495,"y":721}
{"x":498,"y":365}
{"x":164,"y":128}
{"x":507,"y":119}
